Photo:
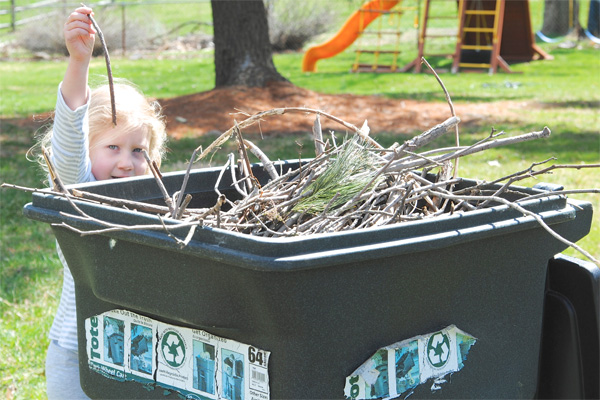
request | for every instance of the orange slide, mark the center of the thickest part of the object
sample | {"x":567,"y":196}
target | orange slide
{"x":347,"y":35}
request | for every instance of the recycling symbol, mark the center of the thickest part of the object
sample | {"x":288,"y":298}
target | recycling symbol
{"x":438,"y":349}
{"x":173,"y":349}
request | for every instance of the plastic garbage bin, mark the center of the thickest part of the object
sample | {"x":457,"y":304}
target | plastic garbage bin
{"x":570,"y":353}
{"x":323,"y":304}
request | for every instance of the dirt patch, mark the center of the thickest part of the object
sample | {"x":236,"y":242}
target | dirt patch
{"x":215,"y":110}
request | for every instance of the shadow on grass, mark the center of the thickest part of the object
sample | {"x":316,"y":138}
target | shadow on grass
{"x":571,"y":104}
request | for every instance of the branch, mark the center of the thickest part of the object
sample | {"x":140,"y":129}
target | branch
{"x":517,"y":207}
{"x":157,"y":177}
{"x":463,"y":151}
{"x":280,"y":111}
{"x":457,"y":135}
{"x":108,"y":68}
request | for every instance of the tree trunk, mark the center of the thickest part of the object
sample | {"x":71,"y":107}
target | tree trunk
{"x":560,"y":17}
{"x":243,"y":54}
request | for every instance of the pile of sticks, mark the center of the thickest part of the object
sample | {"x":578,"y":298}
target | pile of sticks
{"x":356,"y":184}
{"x":352,"y":185}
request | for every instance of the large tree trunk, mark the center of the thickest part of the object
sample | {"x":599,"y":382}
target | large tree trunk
{"x":243,"y":54}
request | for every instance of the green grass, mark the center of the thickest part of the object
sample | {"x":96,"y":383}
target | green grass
{"x":575,"y":77}
{"x":34,"y":91}
{"x":571,"y":80}
{"x":30,"y":277}
{"x":568,"y":87}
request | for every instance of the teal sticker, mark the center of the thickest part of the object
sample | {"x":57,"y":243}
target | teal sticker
{"x":412,"y":362}
{"x":194,"y":364}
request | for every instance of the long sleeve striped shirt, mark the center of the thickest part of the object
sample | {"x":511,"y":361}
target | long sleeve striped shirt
{"x":70,"y":156}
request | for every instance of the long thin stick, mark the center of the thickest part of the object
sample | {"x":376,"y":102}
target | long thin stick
{"x":457,"y":135}
{"x":161,"y":186}
{"x":517,"y":207}
{"x":183,"y":185}
{"x":280,"y":111}
{"x":108,"y":68}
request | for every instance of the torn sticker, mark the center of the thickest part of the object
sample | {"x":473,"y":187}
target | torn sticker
{"x":125,"y":346}
{"x":402,"y":366}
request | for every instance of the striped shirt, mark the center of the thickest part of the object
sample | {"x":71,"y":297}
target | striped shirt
{"x":70,"y":156}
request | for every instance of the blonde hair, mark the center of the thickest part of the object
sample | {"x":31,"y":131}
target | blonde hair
{"x":133,"y":111}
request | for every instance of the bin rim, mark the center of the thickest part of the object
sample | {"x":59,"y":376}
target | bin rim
{"x":322,"y":249}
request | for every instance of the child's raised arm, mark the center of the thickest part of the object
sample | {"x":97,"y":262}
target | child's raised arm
{"x":79,"y":37}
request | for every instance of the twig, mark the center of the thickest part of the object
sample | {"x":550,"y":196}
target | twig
{"x":463,"y":151}
{"x":457,"y":135}
{"x":184,"y":184}
{"x":280,"y":111}
{"x":56,"y":181}
{"x":159,"y":181}
{"x":234,"y":179}
{"x":560,"y":193}
{"x":121,"y":228}
{"x":318,"y":136}
{"x":246,"y":167}
{"x":108,"y":68}
{"x":267,"y":164}
{"x":517,"y":207}
{"x":181,"y":209}
{"x":430,"y":135}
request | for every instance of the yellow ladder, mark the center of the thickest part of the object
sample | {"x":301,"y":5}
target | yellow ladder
{"x":380,"y":33}
{"x":476,"y":33}
{"x":423,"y":35}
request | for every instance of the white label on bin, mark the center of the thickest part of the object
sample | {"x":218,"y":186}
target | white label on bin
{"x":126,"y":346}
{"x":399,"y":368}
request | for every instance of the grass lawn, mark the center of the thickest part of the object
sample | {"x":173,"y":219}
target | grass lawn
{"x":30,"y":274}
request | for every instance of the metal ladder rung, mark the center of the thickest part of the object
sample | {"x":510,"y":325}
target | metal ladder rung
{"x":475,"y":47}
{"x":474,"y":65}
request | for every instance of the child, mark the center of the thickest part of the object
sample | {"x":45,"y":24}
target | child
{"x":85,"y":146}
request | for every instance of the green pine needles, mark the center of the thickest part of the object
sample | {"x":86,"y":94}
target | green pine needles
{"x":344,"y":177}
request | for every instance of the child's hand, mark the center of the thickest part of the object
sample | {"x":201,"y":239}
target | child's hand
{"x":80,"y":34}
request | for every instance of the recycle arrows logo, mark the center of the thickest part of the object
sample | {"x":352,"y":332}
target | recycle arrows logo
{"x":173,"y":349}
{"x":438,"y":349}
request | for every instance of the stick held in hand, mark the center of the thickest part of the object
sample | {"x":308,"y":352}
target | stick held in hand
{"x":108,"y":68}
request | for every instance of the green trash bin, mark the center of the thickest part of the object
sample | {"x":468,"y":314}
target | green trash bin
{"x":322,"y":304}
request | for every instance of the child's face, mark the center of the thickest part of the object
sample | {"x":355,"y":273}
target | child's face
{"x":118,"y":154}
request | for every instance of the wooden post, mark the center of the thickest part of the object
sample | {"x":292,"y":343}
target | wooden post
{"x":123,"y":29}
{"x":13,"y":16}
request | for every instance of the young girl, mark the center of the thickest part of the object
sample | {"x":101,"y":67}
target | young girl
{"x":85,"y":146}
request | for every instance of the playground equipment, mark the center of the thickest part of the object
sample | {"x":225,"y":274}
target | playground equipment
{"x":593,"y":25}
{"x":350,"y":31}
{"x":561,"y":19}
{"x":378,"y":60}
{"x":424,"y":34}
{"x":482,"y":42}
